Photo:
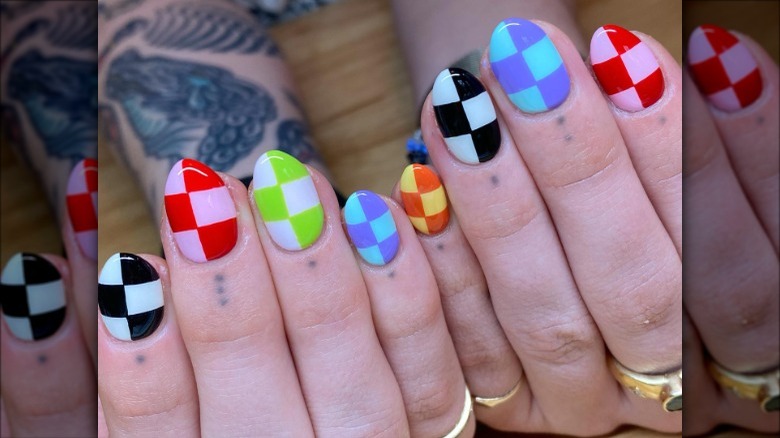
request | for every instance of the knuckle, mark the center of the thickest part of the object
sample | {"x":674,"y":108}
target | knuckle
{"x":505,"y":218}
{"x":562,"y":343}
{"x":589,"y":166}
{"x":488,"y":357}
{"x":431,"y":403}
{"x":462,"y":282}
{"x":424,"y":315}
{"x":326,"y":313}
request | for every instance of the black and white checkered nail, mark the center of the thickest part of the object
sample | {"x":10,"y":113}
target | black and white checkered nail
{"x":130,"y":297}
{"x":33,"y":297}
{"x":466,"y":116}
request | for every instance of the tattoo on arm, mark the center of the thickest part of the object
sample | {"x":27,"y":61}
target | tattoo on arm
{"x":179,"y":108}
{"x":59,"y":96}
{"x":198,"y":27}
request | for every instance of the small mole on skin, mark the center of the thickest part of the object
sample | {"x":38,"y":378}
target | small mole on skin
{"x":440,"y":247}
{"x":140,"y":358}
{"x":561,"y":120}
{"x":494,"y":180}
{"x":223,"y":301}
{"x":42,"y":359}
{"x":312,"y":263}
{"x":568,"y":137}
{"x":662,"y":119}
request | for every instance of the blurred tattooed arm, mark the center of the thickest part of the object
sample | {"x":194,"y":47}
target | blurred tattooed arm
{"x":48,"y":68}
{"x":198,"y":79}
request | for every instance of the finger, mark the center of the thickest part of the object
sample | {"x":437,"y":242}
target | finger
{"x":48,"y":382}
{"x":146,"y":383}
{"x":623,"y":260}
{"x":79,"y":234}
{"x":489,"y":364}
{"x":643,"y":81}
{"x":344,"y":374}
{"x":731,"y":269}
{"x":226,"y":307}
{"x":407,"y":314}
{"x":740,"y":81}
{"x":506,"y":224}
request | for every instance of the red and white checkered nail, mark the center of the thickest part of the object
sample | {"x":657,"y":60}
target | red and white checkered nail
{"x":200,"y":211}
{"x":626,"y":68}
{"x":723,"y":68}
{"x":81,"y":201}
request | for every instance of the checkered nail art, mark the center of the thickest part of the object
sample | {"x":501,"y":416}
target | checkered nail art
{"x":81,"y":200}
{"x":466,"y":116}
{"x":371,"y":227}
{"x":528,"y":66}
{"x":33,"y":297}
{"x":723,"y":68}
{"x":626,"y":68}
{"x":200,"y":211}
{"x":130,"y":297}
{"x":287,"y":201}
{"x":424,"y":199}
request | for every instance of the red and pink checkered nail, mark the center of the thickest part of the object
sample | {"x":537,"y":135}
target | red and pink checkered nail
{"x":626,"y":68}
{"x":200,"y":211}
{"x":81,"y":200}
{"x":723,"y":68}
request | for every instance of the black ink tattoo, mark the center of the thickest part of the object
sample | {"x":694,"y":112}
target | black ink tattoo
{"x":312,"y":263}
{"x":42,"y":359}
{"x":117,"y":8}
{"x":662,"y":120}
{"x":140,"y":359}
{"x":12,"y":11}
{"x":561,"y":120}
{"x":59,"y":96}
{"x":220,"y":279}
{"x":568,"y":137}
{"x":179,"y":108}
{"x":391,"y":274}
{"x":760,"y":120}
{"x":292,"y":137}
{"x":223,"y":301}
{"x":494,"y":180}
{"x":440,"y":247}
{"x":198,"y":27}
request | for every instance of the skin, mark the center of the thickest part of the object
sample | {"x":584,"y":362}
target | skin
{"x":323,"y":336}
{"x":559,"y":181}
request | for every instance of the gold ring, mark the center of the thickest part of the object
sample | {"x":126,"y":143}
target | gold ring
{"x":763,"y":387}
{"x":666,"y":388}
{"x":464,"y":417}
{"x":490,"y":402}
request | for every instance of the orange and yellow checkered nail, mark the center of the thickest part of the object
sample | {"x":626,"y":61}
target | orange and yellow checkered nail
{"x":424,"y":199}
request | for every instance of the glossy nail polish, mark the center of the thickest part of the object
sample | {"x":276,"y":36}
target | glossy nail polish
{"x":528,"y":66}
{"x":466,"y":116}
{"x":200,"y":211}
{"x":287,"y":201}
{"x":626,"y":68}
{"x":371,"y":227}
{"x":81,"y":200}
{"x":130,"y":297}
{"x":424,"y":199}
{"x":33,"y":297}
{"x":723,"y":68}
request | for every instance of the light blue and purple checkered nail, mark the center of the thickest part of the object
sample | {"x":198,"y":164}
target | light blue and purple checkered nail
{"x":528,"y":66}
{"x":371,"y":227}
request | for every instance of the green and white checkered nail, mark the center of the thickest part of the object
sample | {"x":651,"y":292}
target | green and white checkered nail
{"x":287,"y":200}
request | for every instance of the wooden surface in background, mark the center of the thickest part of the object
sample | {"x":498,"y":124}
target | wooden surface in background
{"x":353,"y":85}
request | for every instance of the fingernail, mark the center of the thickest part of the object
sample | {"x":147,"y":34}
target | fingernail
{"x":723,"y":68}
{"x":130,"y":297}
{"x":626,"y":68}
{"x":466,"y":116}
{"x":287,"y":201}
{"x":81,"y":200}
{"x":33,"y":297}
{"x":200,"y":211}
{"x":528,"y":66}
{"x":424,"y":199}
{"x":371,"y":227}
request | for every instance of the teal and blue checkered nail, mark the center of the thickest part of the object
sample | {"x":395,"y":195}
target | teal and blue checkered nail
{"x":528,"y":66}
{"x":371,"y":227}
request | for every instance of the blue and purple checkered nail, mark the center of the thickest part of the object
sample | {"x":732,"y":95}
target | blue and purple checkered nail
{"x":528,"y":66}
{"x":371,"y":227}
